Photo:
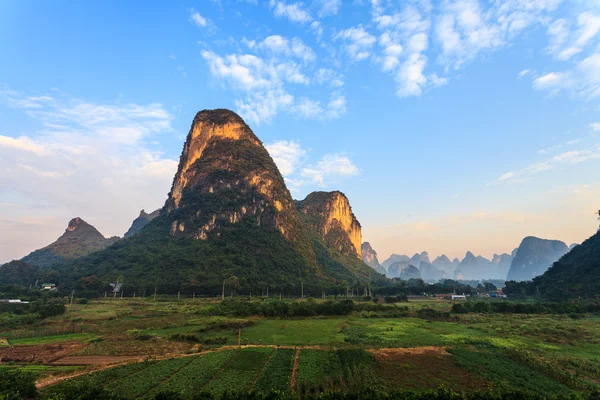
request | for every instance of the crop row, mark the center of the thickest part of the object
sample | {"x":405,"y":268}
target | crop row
{"x":241,"y":373}
{"x":191,"y":379}
{"x":141,"y":382}
{"x":277,"y":373}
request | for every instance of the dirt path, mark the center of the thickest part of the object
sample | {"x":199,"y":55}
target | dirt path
{"x":295,"y":370}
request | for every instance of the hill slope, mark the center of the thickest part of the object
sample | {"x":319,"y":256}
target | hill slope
{"x":79,"y":239}
{"x":140,"y":222}
{"x":577,"y":273}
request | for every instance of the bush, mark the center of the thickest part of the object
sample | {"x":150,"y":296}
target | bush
{"x":15,"y":384}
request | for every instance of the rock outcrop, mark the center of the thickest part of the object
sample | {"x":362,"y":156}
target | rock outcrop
{"x":534,"y":257}
{"x":79,"y":239}
{"x":330,"y":214}
{"x":369,"y":257}
{"x":226,"y":175}
{"x":141,"y":221}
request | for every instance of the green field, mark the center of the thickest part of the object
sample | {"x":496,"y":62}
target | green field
{"x":550,"y":354}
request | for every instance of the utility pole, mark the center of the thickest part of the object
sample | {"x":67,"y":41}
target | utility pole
{"x":154,"y":293}
{"x":223,"y":292}
{"x":302,"y":289}
{"x":71,"y":304}
{"x":267,"y":292}
{"x":178,"y":295}
{"x":194,"y":296}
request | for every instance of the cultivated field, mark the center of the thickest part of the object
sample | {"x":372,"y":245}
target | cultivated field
{"x":140,"y":348}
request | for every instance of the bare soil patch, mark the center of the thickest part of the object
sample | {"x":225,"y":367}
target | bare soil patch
{"x":424,"y":368}
{"x":42,"y":353}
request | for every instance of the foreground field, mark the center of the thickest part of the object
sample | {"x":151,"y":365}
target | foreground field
{"x":179,"y":347}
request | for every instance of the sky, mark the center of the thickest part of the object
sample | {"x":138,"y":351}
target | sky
{"x":451,"y":125}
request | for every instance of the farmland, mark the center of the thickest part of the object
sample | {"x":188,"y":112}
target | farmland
{"x":143,"y":349}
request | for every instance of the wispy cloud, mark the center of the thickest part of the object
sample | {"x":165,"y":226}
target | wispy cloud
{"x":83,"y":160}
{"x":568,"y":157}
{"x":295,"y":12}
{"x":294,"y":165}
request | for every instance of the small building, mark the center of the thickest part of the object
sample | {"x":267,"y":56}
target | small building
{"x":49,"y":287}
{"x":13,"y":301}
{"x":459,"y":297}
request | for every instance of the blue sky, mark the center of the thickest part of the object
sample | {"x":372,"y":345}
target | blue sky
{"x":451,"y":125}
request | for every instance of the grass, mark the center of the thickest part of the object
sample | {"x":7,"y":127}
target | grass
{"x":317,"y":331}
{"x":50,"y":339}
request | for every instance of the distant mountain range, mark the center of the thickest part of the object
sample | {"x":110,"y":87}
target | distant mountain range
{"x":536,"y":255}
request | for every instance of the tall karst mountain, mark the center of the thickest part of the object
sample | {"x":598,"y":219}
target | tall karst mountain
{"x":534,"y":256}
{"x":330,"y":214}
{"x":140,"y":222}
{"x":369,"y":257}
{"x":230,"y":213}
{"x":79,"y":239}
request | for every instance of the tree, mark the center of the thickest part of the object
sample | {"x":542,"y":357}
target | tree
{"x":233,"y":282}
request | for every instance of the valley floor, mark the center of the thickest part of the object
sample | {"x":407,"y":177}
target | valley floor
{"x":140,"y":348}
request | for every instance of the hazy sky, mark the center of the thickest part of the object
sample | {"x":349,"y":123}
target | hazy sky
{"x":451,"y":125}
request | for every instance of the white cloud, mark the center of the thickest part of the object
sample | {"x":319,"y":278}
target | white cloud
{"x":294,"y":12}
{"x":22,"y":143}
{"x":358,"y":42}
{"x":565,"y":42}
{"x":83,"y":161}
{"x":279,"y":45}
{"x":329,"y":7}
{"x":330,"y":167}
{"x":198,"y":19}
{"x":291,"y":159}
{"x":583,"y":79}
{"x":568,"y":157}
{"x":595,"y":126}
{"x":524,"y":72}
{"x":287,"y":155}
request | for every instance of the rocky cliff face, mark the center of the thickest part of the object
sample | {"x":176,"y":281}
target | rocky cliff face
{"x":330,"y":214}
{"x":79,"y":239}
{"x":225,"y":175}
{"x":141,"y":221}
{"x":369,"y":255}
{"x":534,"y":256}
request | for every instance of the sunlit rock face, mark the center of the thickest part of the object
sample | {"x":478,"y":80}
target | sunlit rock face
{"x":369,"y":255}
{"x":330,"y":214}
{"x":226,"y":176}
